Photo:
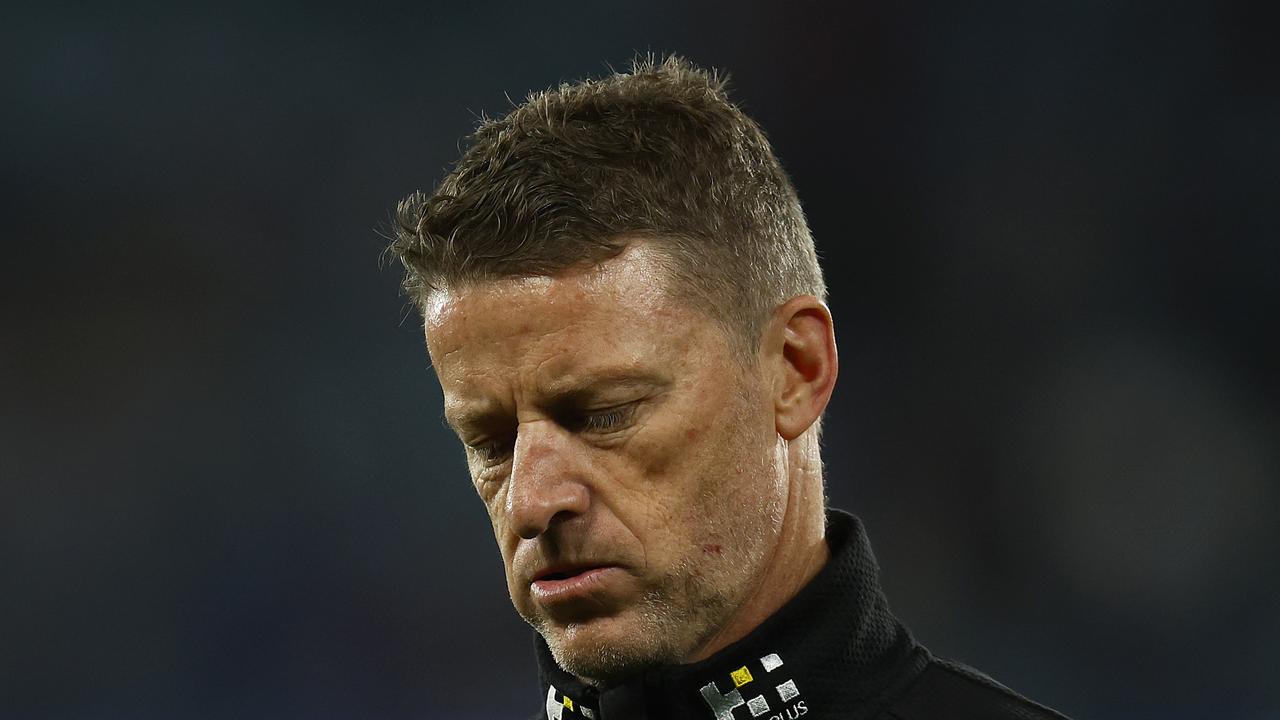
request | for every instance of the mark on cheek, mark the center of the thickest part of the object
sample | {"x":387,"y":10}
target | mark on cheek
{"x":692,"y":434}
{"x":711,"y":549}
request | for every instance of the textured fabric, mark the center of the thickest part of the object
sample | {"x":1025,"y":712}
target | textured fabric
{"x":833,"y":651}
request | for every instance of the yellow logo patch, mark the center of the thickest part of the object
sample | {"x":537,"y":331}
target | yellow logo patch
{"x":741,"y":676}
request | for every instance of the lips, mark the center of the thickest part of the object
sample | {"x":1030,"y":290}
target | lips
{"x":563,"y":572}
{"x":558,"y":584}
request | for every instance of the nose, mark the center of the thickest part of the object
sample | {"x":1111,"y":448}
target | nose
{"x":546,"y":485}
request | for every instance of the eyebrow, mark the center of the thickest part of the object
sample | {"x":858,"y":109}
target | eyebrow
{"x":558,"y":393}
{"x":469,"y":416}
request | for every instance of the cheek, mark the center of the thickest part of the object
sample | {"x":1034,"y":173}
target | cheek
{"x":735,"y":469}
{"x":494,"y":497}
{"x":495,"y":505}
{"x":684,"y":472}
{"x":507,"y":549}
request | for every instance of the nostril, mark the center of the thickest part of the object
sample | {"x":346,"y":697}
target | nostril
{"x":535,"y":506}
{"x":563,"y":516}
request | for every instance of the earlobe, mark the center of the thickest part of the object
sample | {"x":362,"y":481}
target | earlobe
{"x":807,"y":364}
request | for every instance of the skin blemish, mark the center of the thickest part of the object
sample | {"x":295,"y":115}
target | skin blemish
{"x":711,"y":549}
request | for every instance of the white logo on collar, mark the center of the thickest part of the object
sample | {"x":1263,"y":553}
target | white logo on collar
{"x":722,"y":705}
{"x":556,"y":708}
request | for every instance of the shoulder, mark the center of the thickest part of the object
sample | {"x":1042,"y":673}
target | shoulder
{"x":957,"y":692}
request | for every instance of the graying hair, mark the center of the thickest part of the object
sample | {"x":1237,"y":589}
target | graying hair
{"x":573,"y":174}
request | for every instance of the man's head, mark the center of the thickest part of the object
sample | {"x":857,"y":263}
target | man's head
{"x":623,"y":307}
{"x":569,"y":175}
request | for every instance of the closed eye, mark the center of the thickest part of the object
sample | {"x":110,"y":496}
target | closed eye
{"x":607,"y":420}
{"x":494,"y":452}
{"x":490,"y":452}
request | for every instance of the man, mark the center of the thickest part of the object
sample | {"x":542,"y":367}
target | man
{"x":626,"y":315}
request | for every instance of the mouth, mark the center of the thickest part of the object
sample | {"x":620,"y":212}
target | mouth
{"x":571,"y":586}
{"x":564,"y":572}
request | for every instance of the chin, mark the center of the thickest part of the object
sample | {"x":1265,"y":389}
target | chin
{"x":602,"y":659}
{"x":604,"y":650}
{"x":656,"y":631}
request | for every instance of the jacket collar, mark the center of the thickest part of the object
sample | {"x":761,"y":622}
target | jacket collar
{"x":834,"y":647}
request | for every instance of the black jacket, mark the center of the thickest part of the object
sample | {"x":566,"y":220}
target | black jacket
{"x":833,"y":651}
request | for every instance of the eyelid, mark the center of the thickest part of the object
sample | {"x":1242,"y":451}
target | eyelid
{"x":605,"y":419}
{"x":488,"y":451}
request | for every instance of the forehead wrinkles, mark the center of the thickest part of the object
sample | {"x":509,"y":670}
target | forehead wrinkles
{"x":630,"y":287}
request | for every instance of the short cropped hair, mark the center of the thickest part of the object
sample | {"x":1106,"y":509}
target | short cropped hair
{"x":575,"y":173}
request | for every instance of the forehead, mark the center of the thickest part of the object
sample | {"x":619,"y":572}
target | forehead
{"x":633,"y":281}
{"x":603,"y":317}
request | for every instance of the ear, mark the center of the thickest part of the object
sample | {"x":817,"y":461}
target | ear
{"x":801,"y":350}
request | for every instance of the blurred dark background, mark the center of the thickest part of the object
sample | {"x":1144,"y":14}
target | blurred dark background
{"x":1051,"y":234}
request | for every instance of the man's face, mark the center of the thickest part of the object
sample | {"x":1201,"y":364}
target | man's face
{"x":628,"y":458}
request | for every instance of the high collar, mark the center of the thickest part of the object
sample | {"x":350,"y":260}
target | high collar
{"x":834,"y":649}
